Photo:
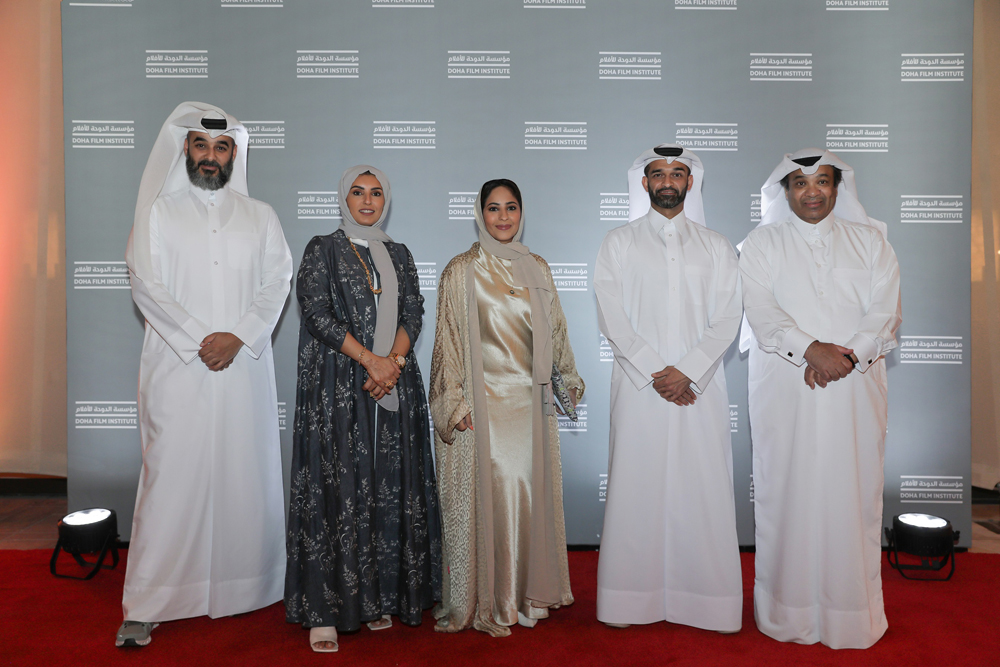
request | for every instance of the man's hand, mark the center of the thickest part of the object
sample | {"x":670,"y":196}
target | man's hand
{"x":687,"y":398}
{"x":813,"y":379}
{"x":219,"y":349}
{"x":673,"y":386}
{"x":828,"y":360}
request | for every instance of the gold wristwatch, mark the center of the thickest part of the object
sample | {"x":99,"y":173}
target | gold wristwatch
{"x":399,"y":359}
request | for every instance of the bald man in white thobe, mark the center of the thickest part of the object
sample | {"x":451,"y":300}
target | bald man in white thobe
{"x":821,"y":292}
{"x":669,"y":304}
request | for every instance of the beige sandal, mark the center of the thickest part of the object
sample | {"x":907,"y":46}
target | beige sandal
{"x":325,"y":635}
{"x":383,"y":623}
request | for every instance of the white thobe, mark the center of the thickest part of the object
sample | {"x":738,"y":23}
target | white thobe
{"x":208,"y":531}
{"x":668,"y":295}
{"x":818,"y":453}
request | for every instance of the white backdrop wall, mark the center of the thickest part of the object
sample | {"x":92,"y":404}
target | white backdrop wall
{"x":559,"y":95}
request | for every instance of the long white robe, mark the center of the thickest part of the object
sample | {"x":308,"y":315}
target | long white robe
{"x":818,"y":453}
{"x":208,"y":531}
{"x":668,"y":294}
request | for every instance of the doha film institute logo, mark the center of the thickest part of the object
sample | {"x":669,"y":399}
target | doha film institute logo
{"x":403,"y":134}
{"x":103,"y":134}
{"x":427,"y":275}
{"x":479,"y":64}
{"x":317,"y":205}
{"x":707,"y":136}
{"x":102,"y":275}
{"x":781,"y":66}
{"x":176,"y":63}
{"x":327,"y":64}
{"x":555,"y":135}
{"x":266,"y":133}
{"x":630,"y":65}
{"x":857,"y":137}
{"x":718,"y":5}
{"x":931,"y":209}
{"x":251,"y":4}
{"x":936,"y":489}
{"x":111,"y":415}
{"x":102,"y":4}
{"x":938,"y":350}
{"x":932,"y":67}
{"x":555,"y":4}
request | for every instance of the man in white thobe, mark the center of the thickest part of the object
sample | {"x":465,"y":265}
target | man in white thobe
{"x":210,"y":271}
{"x":821,"y":292}
{"x":669,"y":304}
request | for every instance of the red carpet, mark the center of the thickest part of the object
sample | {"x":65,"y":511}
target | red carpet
{"x":49,"y":621}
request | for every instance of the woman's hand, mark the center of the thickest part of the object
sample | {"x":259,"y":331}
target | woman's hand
{"x":373,"y":389}
{"x":466,"y":423}
{"x":382,"y":370}
{"x":572,"y":399}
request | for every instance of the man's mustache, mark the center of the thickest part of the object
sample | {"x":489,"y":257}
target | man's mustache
{"x":209,"y":163}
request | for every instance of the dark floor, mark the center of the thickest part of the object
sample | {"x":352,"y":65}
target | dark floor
{"x":29,"y":522}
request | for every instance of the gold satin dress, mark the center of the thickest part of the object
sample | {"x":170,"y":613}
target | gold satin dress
{"x":505,"y":334}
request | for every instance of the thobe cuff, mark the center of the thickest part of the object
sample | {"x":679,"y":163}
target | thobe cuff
{"x":698,"y":368}
{"x":186,"y":341}
{"x":865,"y":349}
{"x":254,"y":333}
{"x":793,"y":346}
{"x":640,"y":366}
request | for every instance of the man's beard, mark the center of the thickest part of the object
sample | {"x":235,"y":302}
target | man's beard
{"x":667,"y":197}
{"x":210,"y":181}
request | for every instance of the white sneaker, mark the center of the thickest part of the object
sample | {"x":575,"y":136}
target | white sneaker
{"x":134,"y":633}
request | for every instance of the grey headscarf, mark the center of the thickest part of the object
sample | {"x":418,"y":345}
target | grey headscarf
{"x":386,"y":315}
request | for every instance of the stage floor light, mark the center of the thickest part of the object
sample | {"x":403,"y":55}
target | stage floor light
{"x":89,"y":531}
{"x":929,"y":538}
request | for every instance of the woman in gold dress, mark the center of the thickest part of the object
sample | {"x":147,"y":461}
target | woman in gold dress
{"x":500,"y":334}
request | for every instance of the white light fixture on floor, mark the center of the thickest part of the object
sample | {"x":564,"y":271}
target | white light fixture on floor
{"x":88,"y":531}
{"x":929,"y":538}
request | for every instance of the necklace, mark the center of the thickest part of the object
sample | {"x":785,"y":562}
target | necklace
{"x":368,"y":275}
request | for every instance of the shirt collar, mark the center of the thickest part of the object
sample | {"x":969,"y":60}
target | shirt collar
{"x":813,"y":232}
{"x":660,"y":222}
{"x":205,"y":196}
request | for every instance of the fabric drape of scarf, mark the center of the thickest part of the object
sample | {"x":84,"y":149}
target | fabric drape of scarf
{"x":543,"y":563}
{"x":386,"y":316}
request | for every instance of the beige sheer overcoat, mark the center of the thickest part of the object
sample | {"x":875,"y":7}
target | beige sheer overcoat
{"x":466,"y":591}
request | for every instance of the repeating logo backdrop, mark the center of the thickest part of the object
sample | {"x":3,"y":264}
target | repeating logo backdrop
{"x":559,"y":95}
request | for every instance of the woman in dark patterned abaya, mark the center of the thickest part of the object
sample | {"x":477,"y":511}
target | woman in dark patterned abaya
{"x":364,"y":530}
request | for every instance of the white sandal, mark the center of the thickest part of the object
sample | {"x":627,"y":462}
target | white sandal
{"x":381,"y":624}
{"x":526,"y":622}
{"x":321,"y":635}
